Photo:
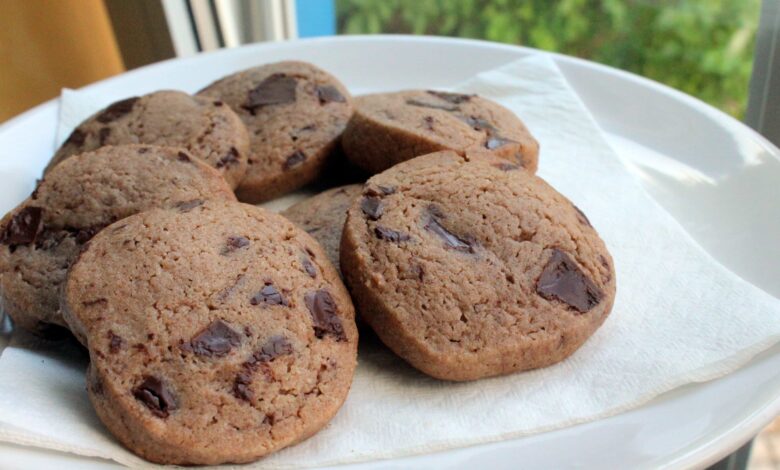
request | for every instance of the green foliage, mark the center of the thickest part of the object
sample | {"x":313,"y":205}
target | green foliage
{"x":702,"y":47}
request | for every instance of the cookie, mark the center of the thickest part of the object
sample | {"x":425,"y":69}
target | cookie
{"x":218,"y":334}
{"x":389,"y":128}
{"x":295,"y":113}
{"x":40,"y":238}
{"x":467,"y":267}
{"x":322,"y":216}
{"x":205,"y":128}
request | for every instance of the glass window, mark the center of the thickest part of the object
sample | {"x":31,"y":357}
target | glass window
{"x":702,"y":47}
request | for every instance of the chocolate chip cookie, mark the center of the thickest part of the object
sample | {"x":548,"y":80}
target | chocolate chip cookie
{"x":205,"y":128}
{"x":40,"y":238}
{"x":467,"y":267}
{"x":295,"y":114}
{"x":389,"y":128}
{"x":322,"y":216}
{"x":216,"y":334}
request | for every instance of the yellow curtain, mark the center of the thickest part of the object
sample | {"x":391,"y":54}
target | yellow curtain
{"x":46,"y":45}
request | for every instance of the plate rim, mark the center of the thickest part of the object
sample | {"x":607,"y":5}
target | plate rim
{"x":705,"y":453}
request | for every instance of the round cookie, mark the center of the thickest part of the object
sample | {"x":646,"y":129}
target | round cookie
{"x":295,"y":114}
{"x":467,"y":267}
{"x":216,"y":335}
{"x":40,"y":238}
{"x":206,"y":128}
{"x":322,"y":216}
{"x":389,"y":128}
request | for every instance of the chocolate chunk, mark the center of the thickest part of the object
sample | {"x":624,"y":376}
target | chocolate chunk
{"x":479,"y":124}
{"x":308,"y":266}
{"x":143,"y":149}
{"x":34,"y":194}
{"x":451,"y":241}
{"x":234,"y":243}
{"x":268,"y":295}
{"x":423,"y":104}
{"x":329,"y":94}
{"x":115,"y":342}
{"x":324,"y":315}
{"x":76,"y":138}
{"x":372,"y":207}
{"x":428,"y":122}
{"x":295,"y":159}
{"x":562,"y":279}
{"x":183,"y":157}
{"x":241,"y":385}
{"x":454,"y":98}
{"x":496,"y":141}
{"x":274,"y":347}
{"x":153,"y":393}
{"x":83,"y":235}
{"x":506,"y":166}
{"x":215,"y":340}
{"x":379,"y":190}
{"x":418,"y":271}
{"x":276,"y":89}
{"x":581,"y":216}
{"x":117,"y":110}
{"x":217,"y":103}
{"x":384,"y":233}
{"x":92,"y":303}
{"x":186,"y":206}
{"x":24,"y":227}
{"x":103,"y":134}
{"x":230,"y":159}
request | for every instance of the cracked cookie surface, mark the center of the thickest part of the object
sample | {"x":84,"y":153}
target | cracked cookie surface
{"x":218,"y":334}
{"x":467,"y":267}
{"x":388,"y":128}
{"x":323,"y":215}
{"x":40,"y":238}
{"x":295,"y":114}
{"x":207,"y":129}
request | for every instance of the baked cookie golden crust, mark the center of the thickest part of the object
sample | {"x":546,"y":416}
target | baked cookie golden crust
{"x":389,"y":128}
{"x":217,"y":333}
{"x":467,"y":267}
{"x":205,"y":128}
{"x":295,"y":114}
{"x":41,"y":237}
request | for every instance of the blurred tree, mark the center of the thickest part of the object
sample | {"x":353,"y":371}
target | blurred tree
{"x":702,"y":47}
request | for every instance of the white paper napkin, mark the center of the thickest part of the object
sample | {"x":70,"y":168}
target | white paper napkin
{"x":679,"y":317}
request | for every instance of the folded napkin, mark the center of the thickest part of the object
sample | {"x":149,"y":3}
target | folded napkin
{"x":679,"y":317}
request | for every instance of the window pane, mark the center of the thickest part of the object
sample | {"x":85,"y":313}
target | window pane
{"x":702,"y":47}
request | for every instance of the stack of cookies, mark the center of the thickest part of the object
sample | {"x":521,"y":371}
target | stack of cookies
{"x":221,"y":332}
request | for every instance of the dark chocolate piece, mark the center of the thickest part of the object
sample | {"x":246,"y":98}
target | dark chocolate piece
{"x":153,"y":393}
{"x":230,"y":159}
{"x":563,"y":280}
{"x":24,"y":227}
{"x":384,"y":233}
{"x":117,"y":110}
{"x":451,"y":241}
{"x":454,"y":98}
{"x":372,"y":207}
{"x":324,"y":315}
{"x":294,"y":159}
{"x":329,"y":94}
{"x":276,"y":89}
{"x":216,"y":340}
{"x":268,"y":295}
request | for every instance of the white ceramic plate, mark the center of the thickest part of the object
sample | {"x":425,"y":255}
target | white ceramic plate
{"x":719,"y":179}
